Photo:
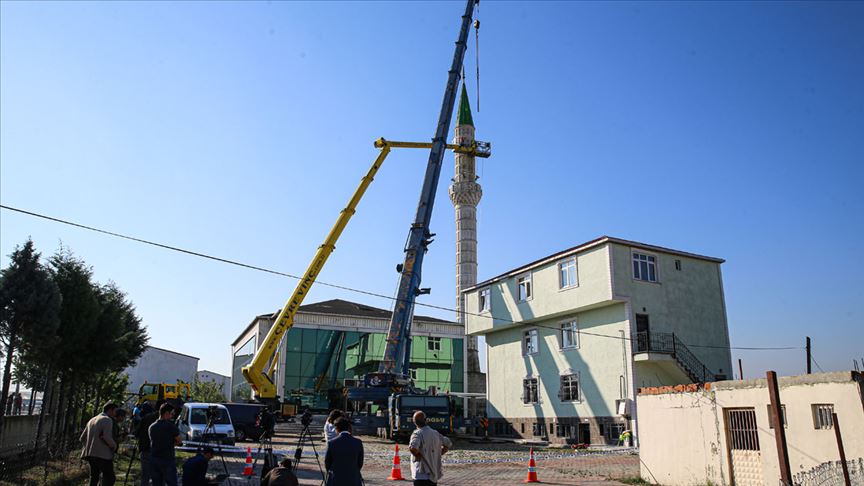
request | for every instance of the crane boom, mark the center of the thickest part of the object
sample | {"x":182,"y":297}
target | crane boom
{"x":397,"y":348}
{"x":260,"y":380}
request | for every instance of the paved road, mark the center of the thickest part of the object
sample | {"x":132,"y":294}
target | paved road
{"x":468,"y":464}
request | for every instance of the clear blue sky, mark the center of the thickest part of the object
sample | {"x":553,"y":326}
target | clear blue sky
{"x":239,"y":129}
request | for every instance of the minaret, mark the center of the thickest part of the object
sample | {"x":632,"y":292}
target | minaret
{"x":465,"y":193}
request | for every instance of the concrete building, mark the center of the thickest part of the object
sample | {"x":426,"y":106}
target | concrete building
{"x":465,"y":194}
{"x":157,"y":365}
{"x":722,"y":433}
{"x":334,"y":343}
{"x":205,"y":376}
{"x":572,"y":336}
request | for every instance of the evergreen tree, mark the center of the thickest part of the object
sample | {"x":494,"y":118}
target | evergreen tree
{"x":29,"y":307}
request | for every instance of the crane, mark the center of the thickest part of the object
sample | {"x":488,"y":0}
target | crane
{"x":394,"y":366}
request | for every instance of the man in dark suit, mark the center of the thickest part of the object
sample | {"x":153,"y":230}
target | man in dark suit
{"x":344,"y":457}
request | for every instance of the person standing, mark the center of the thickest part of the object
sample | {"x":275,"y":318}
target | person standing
{"x":344,"y":457}
{"x":118,"y":428}
{"x":427,"y":446}
{"x":164,"y":435}
{"x":143,"y":436}
{"x":18,"y":403}
{"x":99,"y":446}
{"x":330,"y":429}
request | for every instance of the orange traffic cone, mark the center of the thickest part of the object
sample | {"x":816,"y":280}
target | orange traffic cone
{"x":396,"y":472}
{"x":532,"y":470}
{"x":247,"y":471}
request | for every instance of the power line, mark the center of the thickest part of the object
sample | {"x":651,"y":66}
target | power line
{"x":346,"y":288}
{"x":814,"y":362}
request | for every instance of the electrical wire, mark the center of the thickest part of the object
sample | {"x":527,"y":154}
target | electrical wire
{"x":814,"y":362}
{"x":351,"y":289}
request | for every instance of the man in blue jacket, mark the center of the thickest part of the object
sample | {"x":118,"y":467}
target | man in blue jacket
{"x":344,"y":457}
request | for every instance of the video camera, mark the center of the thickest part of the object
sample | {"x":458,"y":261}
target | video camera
{"x":306,"y":418}
{"x":267,"y":421}
{"x":212,"y":414}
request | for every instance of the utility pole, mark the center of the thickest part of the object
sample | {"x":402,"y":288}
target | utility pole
{"x":740,"y":370}
{"x":809,"y":356}
{"x":779,"y":431}
{"x":848,"y":482}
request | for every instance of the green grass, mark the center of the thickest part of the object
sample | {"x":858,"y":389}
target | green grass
{"x":633,"y":480}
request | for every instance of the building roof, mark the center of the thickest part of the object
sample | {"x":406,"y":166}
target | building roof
{"x":173,"y":352}
{"x":342,"y":308}
{"x":463,"y":117}
{"x":587,"y":245}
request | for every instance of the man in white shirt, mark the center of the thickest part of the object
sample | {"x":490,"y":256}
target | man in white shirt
{"x":426,"y":447}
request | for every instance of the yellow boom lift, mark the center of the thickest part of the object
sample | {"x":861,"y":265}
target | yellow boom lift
{"x":259,"y":372}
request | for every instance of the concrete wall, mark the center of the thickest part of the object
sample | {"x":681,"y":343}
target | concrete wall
{"x":593,"y":288}
{"x":161,"y":366}
{"x":688,"y":302}
{"x":683,"y":439}
{"x":19,"y":429}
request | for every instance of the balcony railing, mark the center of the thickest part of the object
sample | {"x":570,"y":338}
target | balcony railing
{"x":668,"y":343}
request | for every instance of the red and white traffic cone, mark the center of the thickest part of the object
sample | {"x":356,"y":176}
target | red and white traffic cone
{"x":396,"y":472}
{"x":532,"y":470}
{"x":247,"y":471}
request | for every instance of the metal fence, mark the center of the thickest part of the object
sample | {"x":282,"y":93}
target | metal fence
{"x":29,"y":464}
{"x":830,"y":474}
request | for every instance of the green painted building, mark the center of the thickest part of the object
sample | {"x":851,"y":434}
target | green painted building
{"x":334,"y":343}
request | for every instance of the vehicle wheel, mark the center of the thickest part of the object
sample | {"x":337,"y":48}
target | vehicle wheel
{"x":241,"y":435}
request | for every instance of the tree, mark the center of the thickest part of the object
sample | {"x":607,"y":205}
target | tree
{"x":207,"y":391}
{"x":29,"y":307}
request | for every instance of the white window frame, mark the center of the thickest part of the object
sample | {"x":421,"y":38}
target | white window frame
{"x":575,"y":269}
{"x":484,"y":299}
{"x":528,"y":333}
{"x":822,"y":419}
{"x":412,"y":372}
{"x":637,"y":275}
{"x":574,"y":329}
{"x":433,"y":343}
{"x":525,"y":396}
{"x":529,"y":280}
{"x":578,"y":387}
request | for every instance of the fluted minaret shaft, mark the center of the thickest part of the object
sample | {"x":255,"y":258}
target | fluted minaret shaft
{"x":465,"y":194}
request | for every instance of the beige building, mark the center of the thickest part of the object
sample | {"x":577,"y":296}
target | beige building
{"x":571,"y":336}
{"x":721,"y":433}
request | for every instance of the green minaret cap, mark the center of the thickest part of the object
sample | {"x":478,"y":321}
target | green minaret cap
{"x":464,"y":115}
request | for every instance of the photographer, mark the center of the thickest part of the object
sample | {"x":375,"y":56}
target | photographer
{"x":164,"y":435}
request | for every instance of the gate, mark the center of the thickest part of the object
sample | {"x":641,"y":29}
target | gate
{"x":742,"y":445}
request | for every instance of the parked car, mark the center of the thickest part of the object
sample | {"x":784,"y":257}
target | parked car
{"x":193,"y":421}
{"x":244,"y":416}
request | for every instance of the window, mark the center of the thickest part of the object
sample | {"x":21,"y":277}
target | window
{"x":567,"y":274}
{"x":564,"y":430}
{"x":569,"y":335}
{"x":822,"y":418}
{"x":539,"y":429}
{"x":524,"y":287}
{"x":413,"y":373}
{"x":529,"y":342}
{"x":433,"y":344}
{"x":530,"y":391}
{"x":678,"y":265}
{"x":782,"y":416}
{"x":614,"y":431}
{"x":569,"y":391}
{"x":484,"y":299}
{"x":644,"y":267}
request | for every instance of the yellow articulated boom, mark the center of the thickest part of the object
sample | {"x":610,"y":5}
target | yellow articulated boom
{"x":259,"y":372}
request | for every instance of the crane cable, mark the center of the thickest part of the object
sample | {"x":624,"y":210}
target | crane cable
{"x":477,"y":52}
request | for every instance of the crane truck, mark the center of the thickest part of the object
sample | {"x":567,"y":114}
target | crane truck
{"x":390,"y":391}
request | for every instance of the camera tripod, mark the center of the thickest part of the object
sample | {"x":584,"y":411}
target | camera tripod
{"x":306,"y":435}
{"x":210,"y":432}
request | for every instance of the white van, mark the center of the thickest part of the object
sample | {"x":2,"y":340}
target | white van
{"x":193,"y":420}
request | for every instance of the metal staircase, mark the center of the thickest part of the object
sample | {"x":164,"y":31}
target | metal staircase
{"x":668,"y":343}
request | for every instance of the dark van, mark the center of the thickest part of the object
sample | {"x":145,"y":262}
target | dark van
{"x":244,"y":416}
